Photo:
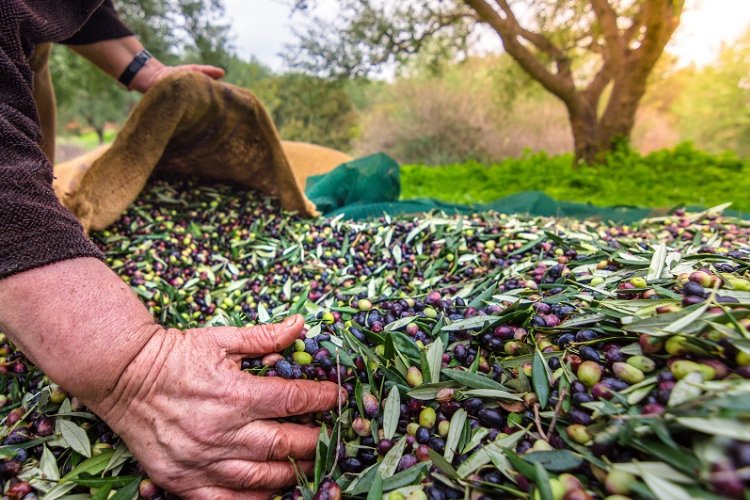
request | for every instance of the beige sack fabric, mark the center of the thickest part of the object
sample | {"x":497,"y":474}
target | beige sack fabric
{"x":306,"y":159}
{"x":192,"y":125}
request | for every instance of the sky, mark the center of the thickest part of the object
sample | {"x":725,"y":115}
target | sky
{"x":262,"y":28}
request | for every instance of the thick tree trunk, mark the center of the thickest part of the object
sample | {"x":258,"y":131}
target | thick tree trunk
{"x":594,"y":135}
{"x":585,"y":126}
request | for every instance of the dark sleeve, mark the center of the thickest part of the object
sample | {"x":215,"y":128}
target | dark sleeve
{"x":35,"y":229}
{"x":104,"y":24}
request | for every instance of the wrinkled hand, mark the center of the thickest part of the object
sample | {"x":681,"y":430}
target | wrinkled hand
{"x":155,"y":71}
{"x":202,"y":428}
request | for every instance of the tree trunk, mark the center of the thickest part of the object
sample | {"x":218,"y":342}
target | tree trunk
{"x":100,"y":133}
{"x":585,"y":126}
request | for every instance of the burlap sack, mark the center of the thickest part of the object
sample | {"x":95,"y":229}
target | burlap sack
{"x":192,"y":125}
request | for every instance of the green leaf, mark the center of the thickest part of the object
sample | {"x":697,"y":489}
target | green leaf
{"x":399,"y":323}
{"x":542,"y":483}
{"x":344,"y":356}
{"x":48,"y":465}
{"x":119,"y":457}
{"x":732,"y":428}
{"x":435,"y":359}
{"x":442,"y":464}
{"x":656,"y":267}
{"x":392,"y":413}
{"x":686,"y":389}
{"x":128,"y":492}
{"x":263,"y":316}
{"x":10,"y":450}
{"x":362,"y":483}
{"x":99,"y":482}
{"x":526,"y":469}
{"x":471,"y":323}
{"x":93,"y":466}
{"x":406,"y":477}
{"x":75,"y":436}
{"x":663,"y":489}
{"x":427,"y":392}
{"x":555,"y":460}
{"x":58,"y":491}
{"x":540,"y":379}
{"x":458,"y":420}
{"x":492,"y":393}
{"x":482,"y":297}
{"x":376,"y":489}
{"x":321,"y":449}
{"x":480,"y":457}
{"x":103,"y":493}
{"x":659,"y":469}
{"x":476,"y":439}
{"x":662,"y":325}
{"x":405,"y":345}
{"x":473,"y":380}
{"x":391,"y":459}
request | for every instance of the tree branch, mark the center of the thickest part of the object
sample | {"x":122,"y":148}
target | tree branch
{"x":607,"y":19}
{"x":509,"y":30}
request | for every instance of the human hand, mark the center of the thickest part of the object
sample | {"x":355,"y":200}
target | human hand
{"x":154,"y":71}
{"x":202,"y":428}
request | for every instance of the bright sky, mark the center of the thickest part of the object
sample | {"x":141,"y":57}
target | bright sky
{"x":262,"y":27}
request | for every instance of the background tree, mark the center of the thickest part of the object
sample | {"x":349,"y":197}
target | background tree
{"x":713,"y":107}
{"x":594,"y":55}
{"x":181,"y":30}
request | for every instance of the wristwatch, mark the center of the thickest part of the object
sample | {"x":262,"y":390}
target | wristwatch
{"x":134,"y":67}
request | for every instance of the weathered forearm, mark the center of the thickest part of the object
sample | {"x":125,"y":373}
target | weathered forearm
{"x":77,"y":321}
{"x":113,"y":56}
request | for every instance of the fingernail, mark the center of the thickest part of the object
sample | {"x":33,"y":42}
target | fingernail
{"x":290,"y":321}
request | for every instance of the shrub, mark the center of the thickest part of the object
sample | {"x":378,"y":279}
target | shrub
{"x":665,"y":178}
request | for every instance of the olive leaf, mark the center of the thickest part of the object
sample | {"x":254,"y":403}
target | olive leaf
{"x":75,"y":436}
{"x":435,"y":359}
{"x":392,"y":413}
{"x":458,"y":420}
{"x":540,"y":378}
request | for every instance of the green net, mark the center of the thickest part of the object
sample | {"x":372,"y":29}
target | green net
{"x":370,"y":187}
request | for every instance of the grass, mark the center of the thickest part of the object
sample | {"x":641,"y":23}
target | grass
{"x":663,"y":179}
{"x":87,"y":140}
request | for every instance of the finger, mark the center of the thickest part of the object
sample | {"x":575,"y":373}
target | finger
{"x":274,"y":441}
{"x":215,"y":493}
{"x":261,"y":339}
{"x":212,"y":71}
{"x":244,"y":475}
{"x":273,"y":397}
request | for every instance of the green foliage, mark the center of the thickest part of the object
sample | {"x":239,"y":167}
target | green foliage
{"x":311,"y":109}
{"x":85,"y":95}
{"x":304,"y":108}
{"x":178,"y":31}
{"x":663,"y":179}
{"x":713,"y":108}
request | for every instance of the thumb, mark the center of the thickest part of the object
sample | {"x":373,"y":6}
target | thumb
{"x":259,"y":340}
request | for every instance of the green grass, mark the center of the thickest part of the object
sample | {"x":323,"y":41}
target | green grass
{"x":88,"y":140}
{"x":663,"y":179}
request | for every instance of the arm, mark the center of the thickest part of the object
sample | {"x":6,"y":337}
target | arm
{"x":110,"y":45}
{"x":200,"y":427}
{"x":113,"y":56}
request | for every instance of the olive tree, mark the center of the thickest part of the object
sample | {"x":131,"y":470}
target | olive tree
{"x":593,"y":55}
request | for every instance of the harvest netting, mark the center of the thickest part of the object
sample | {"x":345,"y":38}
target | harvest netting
{"x":487,"y":355}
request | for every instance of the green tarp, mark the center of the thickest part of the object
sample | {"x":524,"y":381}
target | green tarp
{"x":370,"y":187}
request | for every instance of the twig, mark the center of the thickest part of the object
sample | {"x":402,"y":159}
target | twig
{"x":538,"y":422}
{"x":558,"y":408}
